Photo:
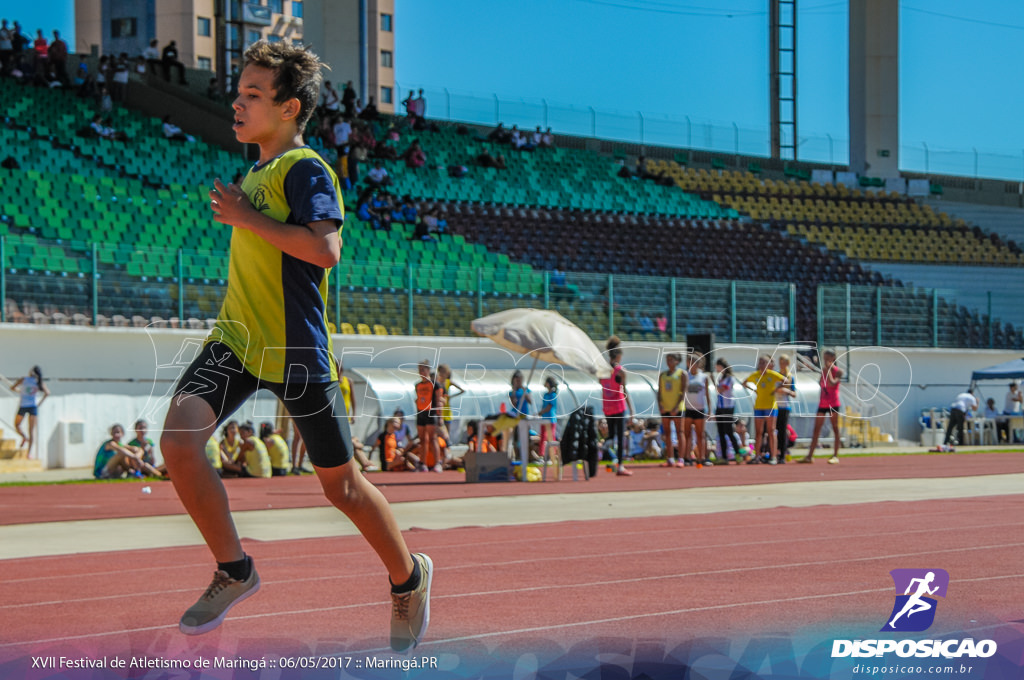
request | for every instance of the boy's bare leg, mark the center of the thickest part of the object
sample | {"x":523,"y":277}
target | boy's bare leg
{"x":347,"y":489}
{"x":188,"y":426}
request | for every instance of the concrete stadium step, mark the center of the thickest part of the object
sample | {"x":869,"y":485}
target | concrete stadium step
{"x":9,"y":465}
{"x":9,"y":449}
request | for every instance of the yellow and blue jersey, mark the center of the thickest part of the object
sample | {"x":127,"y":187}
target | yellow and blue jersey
{"x":274,"y":316}
{"x":765,"y":382}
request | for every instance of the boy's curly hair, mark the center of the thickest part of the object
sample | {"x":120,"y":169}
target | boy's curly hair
{"x":296,"y":74}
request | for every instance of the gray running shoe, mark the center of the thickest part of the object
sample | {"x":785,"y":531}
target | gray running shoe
{"x":223,"y":594}
{"x":410,"y":612}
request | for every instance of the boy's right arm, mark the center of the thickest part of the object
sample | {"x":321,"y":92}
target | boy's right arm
{"x":317,"y":242}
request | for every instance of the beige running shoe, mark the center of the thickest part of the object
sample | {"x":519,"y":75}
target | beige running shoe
{"x":834,"y":460}
{"x":223,"y":594}
{"x":410,"y":612}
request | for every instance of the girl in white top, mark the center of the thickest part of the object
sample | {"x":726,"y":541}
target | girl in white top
{"x":28,"y":389}
{"x":695,"y":403}
{"x":725,"y":409}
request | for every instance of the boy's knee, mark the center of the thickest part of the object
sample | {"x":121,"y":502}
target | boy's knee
{"x":342,"y":494}
{"x":176,"y":445}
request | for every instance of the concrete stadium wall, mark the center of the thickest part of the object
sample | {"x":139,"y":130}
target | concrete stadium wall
{"x":99,"y":376}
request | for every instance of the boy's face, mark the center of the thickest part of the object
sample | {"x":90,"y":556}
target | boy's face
{"x":257,"y":117}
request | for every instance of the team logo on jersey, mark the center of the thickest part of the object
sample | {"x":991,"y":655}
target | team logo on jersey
{"x":914,"y":609}
{"x":259,"y":199}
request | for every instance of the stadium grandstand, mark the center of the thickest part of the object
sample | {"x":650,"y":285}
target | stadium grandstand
{"x":86,"y":221}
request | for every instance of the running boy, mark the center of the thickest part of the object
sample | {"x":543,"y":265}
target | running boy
{"x":272,"y":333}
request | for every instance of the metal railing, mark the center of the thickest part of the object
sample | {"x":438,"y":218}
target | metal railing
{"x":727,"y":138}
{"x":102,"y":284}
{"x":99,"y":284}
{"x":915,"y":317}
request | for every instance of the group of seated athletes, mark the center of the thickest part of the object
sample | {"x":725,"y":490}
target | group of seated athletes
{"x":238,"y":453}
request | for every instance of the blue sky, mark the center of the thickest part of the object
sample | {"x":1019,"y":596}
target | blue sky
{"x":666,"y":60}
{"x":708,"y":60}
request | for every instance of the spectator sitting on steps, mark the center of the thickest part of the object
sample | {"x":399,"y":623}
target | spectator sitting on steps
{"x":104,"y":131}
{"x":173,"y":132}
{"x":486,"y":160}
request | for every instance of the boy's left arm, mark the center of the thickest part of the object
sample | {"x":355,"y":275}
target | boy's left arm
{"x":317,"y":242}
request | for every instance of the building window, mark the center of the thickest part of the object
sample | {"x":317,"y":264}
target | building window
{"x":385,"y":95}
{"x":204,"y":63}
{"x":123,"y":28}
{"x":276,"y":6}
{"x":297,"y":9}
{"x":254,"y":36}
{"x":387,"y":59}
{"x":234,"y":37}
{"x":385,"y":23}
{"x":203,"y":26}
{"x":273,"y":38}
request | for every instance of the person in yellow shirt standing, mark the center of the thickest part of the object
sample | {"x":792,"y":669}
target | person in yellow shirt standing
{"x":671,"y":388}
{"x":444,"y":378}
{"x":764,"y":382}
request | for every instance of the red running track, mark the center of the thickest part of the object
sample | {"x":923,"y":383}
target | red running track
{"x":27,"y":504}
{"x":730,"y":574}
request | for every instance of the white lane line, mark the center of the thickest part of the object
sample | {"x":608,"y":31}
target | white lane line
{"x":177,"y":530}
{"x":590,"y":584}
{"x":498,"y":564}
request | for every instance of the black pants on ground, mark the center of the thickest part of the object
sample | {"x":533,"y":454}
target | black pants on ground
{"x":781,"y":422}
{"x":956,"y":419}
{"x":725,"y":422}
{"x":617,"y":433}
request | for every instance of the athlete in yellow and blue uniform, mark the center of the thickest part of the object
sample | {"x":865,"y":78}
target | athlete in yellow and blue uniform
{"x":272,"y":334}
{"x":274,"y":315}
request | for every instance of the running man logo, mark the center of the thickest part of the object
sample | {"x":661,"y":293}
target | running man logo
{"x":914,"y":610}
